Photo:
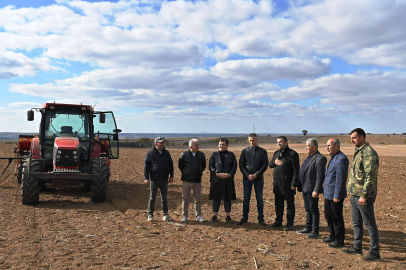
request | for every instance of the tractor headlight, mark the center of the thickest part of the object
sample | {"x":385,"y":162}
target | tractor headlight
{"x":59,"y":152}
{"x":58,"y":156}
{"x":75,"y":157}
{"x":75,"y":152}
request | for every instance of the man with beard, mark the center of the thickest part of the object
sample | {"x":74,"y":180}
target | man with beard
{"x":286,"y":166}
{"x":223,"y":166}
{"x":362,"y":185}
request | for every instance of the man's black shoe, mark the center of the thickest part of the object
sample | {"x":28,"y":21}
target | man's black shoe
{"x":335,"y":244}
{"x":371,"y":257}
{"x":261,"y":222}
{"x":229,"y":220}
{"x":288,"y":228}
{"x":327,"y":240}
{"x":275,"y":224}
{"x":313,"y":235}
{"x":214,"y":219}
{"x":242,"y":221}
{"x":304,"y":231}
{"x":352,"y":250}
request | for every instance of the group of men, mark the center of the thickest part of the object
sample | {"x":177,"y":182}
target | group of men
{"x":312,"y":178}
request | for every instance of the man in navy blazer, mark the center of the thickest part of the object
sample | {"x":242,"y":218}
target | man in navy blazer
{"x":334,"y":194}
{"x":311,"y":181}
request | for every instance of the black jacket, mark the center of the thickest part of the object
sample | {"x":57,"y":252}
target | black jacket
{"x":285,"y":176}
{"x":191,"y":166}
{"x":158,"y":167}
{"x":221,"y":189}
{"x":313,"y":174}
{"x":256,"y":163}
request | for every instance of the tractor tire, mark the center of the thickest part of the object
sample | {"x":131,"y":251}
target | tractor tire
{"x":29,"y":186}
{"x":19,"y":173}
{"x":98,"y":190}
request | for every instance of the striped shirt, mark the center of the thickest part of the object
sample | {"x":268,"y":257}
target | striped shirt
{"x":336,"y":177}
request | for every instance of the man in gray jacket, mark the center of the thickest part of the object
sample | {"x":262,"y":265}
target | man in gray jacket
{"x":312,"y":176}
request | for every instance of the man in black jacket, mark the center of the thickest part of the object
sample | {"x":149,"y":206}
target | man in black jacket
{"x":223,"y":166}
{"x":312,"y":176}
{"x":158,"y":172}
{"x":285,"y":164}
{"x":192,"y":164}
{"x":253,"y":163}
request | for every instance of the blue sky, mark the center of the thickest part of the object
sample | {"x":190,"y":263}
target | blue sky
{"x":208,"y":66}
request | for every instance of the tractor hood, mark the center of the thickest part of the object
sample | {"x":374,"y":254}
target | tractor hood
{"x":68,"y":143}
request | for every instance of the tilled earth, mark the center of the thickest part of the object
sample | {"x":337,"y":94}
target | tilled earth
{"x":67,"y":231}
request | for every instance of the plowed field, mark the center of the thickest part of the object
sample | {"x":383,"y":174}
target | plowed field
{"x":67,"y":231}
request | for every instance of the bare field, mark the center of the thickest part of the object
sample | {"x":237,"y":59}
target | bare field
{"x":67,"y":231}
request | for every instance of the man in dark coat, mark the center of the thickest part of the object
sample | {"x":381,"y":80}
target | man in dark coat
{"x":192,"y":164}
{"x":158,"y":172}
{"x":312,"y":176}
{"x":286,"y":166}
{"x":223,"y":166}
{"x":253,"y":164}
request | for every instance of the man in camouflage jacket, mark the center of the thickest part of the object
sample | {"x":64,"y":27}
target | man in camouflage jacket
{"x":362,"y":185}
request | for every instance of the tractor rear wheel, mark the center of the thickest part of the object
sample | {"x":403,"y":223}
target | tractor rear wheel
{"x":98,"y":190}
{"x":29,"y":186}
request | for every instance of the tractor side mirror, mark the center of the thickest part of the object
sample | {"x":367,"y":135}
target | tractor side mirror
{"x":30,"y":115}
{"x":102,"y":118}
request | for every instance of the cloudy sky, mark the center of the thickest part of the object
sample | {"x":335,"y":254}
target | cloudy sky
{"x":209,"y":66}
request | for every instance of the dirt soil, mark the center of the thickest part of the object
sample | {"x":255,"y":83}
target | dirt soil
{"x":67,"y":231}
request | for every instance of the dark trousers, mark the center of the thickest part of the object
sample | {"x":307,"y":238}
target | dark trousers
{"x":163,"y":187}
{"x":364,"y":214}
{"x":333,"y":212}
{"x":290,"y":208}
{"x":216,"y":206}
{"x":312,"y":212}
{"x":258,"y":187}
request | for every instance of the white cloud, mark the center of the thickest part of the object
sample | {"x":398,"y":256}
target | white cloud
{"x":273,"y":69}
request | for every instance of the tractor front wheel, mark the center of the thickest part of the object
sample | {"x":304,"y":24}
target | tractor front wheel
{"x":98,"y":190}
{"x":29,"y":186}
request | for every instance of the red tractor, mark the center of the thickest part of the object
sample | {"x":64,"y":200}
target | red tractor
{"x":70,"y":149}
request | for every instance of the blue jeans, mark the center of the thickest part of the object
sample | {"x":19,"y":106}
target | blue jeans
{"x":259,"y":187}
{"x":163,"y":187}
{"x":312,"y":212}
{"x":364,"y":214}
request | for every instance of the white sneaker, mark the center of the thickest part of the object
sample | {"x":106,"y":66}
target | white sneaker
{"x":199,"y":219}
{"x":150,"y":217}
{"x":165,"y":217}
{"x":184,"y":219}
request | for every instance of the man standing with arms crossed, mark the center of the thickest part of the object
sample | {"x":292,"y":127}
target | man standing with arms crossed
{"x":253,"y":163}
{"x":192,"y":164}
{"x":335,"y":193}
{"x":158,"y":172}
{"x":362,"y":185}
{"x":286,"y":166}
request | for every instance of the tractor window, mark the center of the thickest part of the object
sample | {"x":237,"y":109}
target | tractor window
{"x":68,"y":122}
{"x":105,"y":132}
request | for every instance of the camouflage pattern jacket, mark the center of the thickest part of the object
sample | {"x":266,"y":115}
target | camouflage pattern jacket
{"x":363,"y":178}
